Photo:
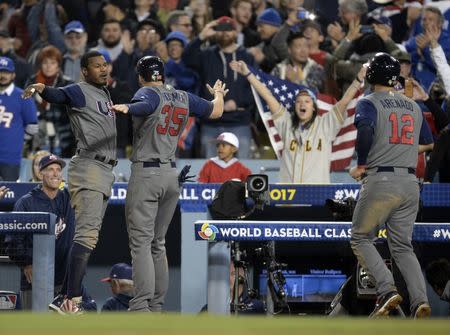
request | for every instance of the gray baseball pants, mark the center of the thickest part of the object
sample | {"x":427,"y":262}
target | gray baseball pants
{"x":90,"y":183}
{"x":391,"y":198}
{"x":152,"y":197}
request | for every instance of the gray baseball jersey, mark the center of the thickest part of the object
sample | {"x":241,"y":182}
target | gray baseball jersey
{"x":398,"y":121}
{"x":92,"y":120}
{"x":156,"y":135}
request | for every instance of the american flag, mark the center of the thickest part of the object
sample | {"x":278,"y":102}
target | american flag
{"x":285,"y":92}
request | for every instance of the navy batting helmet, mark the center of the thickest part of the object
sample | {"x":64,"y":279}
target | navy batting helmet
{"x":150,"y":68}
{"x":383,"y":70}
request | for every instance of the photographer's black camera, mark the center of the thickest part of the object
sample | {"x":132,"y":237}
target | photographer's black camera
{"x":257,"y":187}
{"x":342,"y":210}
{"x":257,"y":183}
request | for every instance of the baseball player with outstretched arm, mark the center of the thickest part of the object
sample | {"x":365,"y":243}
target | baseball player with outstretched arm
{"x":90,"y":176}
{"x":159,"y":115}
{"x":389,"y":126}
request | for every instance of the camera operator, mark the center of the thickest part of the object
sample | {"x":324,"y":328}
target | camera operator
{"x":248,"y":304}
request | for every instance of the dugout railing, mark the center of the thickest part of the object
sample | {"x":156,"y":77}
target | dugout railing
{"x":42,"y":227}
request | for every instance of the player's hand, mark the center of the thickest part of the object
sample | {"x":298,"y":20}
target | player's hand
{"x":30,"y":90}
{"x":28,"y":272}
{"x":218,"y":87}
{"x":120,"y":108}
{"x":240,"y":67}
{"x":357,"y":172}
{"x":3,"y":191}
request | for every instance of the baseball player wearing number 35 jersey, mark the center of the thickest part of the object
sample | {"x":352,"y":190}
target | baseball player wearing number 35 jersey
{"x":389,"y":126}
{"x":159,"y":115}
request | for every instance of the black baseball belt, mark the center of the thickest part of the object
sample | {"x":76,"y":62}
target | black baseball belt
{"x":96,"y":156}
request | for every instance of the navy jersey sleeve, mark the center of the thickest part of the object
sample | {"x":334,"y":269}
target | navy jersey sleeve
{"x":365,"y":122}
{"x":144,"y":102}
{"x":425,"y":136}
{"x":365,"y":113}
{"x":69,"y":95}
{"x":75,"y":96}
{"x":199,"y":107}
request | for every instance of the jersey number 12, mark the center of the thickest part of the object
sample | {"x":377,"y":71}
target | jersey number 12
{"x":177,"y":115}
{"x":407,"y":128}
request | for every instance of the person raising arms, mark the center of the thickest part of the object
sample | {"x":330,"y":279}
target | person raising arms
{"x":307,"y":136}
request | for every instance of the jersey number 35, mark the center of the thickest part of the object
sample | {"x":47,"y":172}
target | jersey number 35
{"x":175,"y":114}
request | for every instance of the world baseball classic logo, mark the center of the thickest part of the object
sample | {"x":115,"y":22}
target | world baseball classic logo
{"x":208,"y":232}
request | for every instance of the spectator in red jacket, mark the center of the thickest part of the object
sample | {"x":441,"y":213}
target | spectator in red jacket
{"x":225,"y":166}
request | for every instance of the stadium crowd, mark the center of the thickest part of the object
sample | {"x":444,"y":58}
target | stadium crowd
{"x":318,"y":45}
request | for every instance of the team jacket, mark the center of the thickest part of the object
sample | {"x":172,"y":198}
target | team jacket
{"x":20,"y":247}
{"x":119,"y":302}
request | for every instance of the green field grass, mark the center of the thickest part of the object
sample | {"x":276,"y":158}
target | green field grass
{"x":137,"y":324}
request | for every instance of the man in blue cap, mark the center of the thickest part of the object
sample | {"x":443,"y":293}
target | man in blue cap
{"x":121,"y":281}
{"x":45,"y":197}
{"x":75,"y":39}
{"x":268,"y":24}
{"x":18,"y":118}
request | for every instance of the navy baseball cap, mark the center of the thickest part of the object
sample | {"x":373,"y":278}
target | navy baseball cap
{"x":119,"y":271}
{"x":75,"y":27}
{"x":106,"y":55}
{"x":50,"y":159}
{"x":270,"y":16}
{"x":7,"y":64}
{"x":178,"y":36}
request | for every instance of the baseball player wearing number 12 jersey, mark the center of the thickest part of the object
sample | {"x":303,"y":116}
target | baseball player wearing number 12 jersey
{"x":389,"y":126}
{"x":160,"y":114}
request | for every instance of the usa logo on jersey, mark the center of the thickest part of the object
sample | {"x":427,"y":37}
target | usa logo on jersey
{"x":105,"y":107}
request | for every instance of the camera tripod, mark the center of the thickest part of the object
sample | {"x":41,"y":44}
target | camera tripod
{"x":276,"y":294}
